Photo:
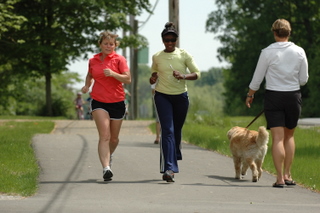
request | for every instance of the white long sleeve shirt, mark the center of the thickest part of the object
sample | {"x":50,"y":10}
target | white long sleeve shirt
{"x":284,"y":65}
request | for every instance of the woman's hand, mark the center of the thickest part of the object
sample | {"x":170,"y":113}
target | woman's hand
{"x":249,"y":101}
{"x":85,"y":89}
{"x":250,"y":97}
{"x":153,"y":78}
{"x":108,"y":72}
{"x":178,"y":75}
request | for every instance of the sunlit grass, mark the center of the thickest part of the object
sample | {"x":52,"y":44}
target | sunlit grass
{"x":306,"y":168}
{"x":26,"y":117}
{"x":19,"y":168}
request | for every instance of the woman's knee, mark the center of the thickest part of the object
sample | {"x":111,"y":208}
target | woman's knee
{"x":104,"y":138}
{"x":114,"y":140}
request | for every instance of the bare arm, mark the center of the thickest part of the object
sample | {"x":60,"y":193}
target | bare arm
{"x":153,"y":78}
{"x":123,"y":77}
{"x":190,"y":76}
{"x":88,"y":83}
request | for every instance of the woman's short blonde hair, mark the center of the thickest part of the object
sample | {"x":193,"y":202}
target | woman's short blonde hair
{"x":282,"y":28}
{"x":108,"y":35}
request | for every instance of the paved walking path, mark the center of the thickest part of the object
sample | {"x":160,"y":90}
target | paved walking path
{"x":309,"y":122}
{"x":71,"y":179}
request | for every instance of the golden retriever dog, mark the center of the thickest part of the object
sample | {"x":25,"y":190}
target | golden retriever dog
{"x":248,"y":148}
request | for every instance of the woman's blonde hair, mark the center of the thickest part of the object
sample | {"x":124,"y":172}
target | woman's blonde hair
{"x":108,"y":35}
{"x":282,"y":28}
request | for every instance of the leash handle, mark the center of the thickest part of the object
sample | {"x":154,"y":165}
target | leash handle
{"x":260,"y":113}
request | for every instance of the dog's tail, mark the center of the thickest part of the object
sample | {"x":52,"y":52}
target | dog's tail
{"x":263,"y":136}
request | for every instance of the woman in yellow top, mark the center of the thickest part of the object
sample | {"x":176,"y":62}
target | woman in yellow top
{"x":171,"y":68}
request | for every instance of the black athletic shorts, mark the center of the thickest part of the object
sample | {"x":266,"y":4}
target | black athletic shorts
{"x":282,"y":109}
{"x":116,"y":110}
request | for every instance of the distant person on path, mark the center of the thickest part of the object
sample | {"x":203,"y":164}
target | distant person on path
{"x":79,"y":102}
{"x":89,"y":107}
{"x":158,"y":128}
{"x":127,"y":102}
{"x":109,"y":70}
{"x":284,"y":65}
{"x":169,"y":67}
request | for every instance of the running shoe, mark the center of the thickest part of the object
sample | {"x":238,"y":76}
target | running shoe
{"x":107,"y":175}
{"x":168,"y":176}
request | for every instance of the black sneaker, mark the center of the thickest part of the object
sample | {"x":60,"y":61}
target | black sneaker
{"x":107,"y":175}
{"x":168,"y":176}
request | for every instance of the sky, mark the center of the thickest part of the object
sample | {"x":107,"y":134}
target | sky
{"x":192,"y":36}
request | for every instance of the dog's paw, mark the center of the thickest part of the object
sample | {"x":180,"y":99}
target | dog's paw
{"x":255,"y":179}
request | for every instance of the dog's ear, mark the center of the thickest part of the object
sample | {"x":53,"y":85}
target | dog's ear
{"x":229,"y":133}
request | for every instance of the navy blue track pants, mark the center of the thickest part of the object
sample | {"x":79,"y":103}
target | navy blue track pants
{"x":172,"y":111}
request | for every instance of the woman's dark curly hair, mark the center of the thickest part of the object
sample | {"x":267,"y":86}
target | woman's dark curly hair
{"x":169,"y":28}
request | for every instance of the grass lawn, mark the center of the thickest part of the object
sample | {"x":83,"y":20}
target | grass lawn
{"x":19,"y":169}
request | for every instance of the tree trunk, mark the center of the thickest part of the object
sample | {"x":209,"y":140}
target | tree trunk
{"x":48,"y":95}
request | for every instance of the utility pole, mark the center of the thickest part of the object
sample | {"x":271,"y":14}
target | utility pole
{"x":126,"y":86}
{"x":124,"y":50}
{"x":174,"y":15}
{"x":133,"y":106}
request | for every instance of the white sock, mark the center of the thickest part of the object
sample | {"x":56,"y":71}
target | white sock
{"x":106,"y":168}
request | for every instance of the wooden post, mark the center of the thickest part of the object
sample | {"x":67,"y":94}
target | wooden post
{"x":133,"y":106}
{"x":174,"y":15}
{"x":124,"y":50}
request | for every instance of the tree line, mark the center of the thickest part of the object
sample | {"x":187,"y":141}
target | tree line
{"x":39,"y":38}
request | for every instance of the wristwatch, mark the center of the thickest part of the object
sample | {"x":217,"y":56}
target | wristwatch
{"x":250,"y":96}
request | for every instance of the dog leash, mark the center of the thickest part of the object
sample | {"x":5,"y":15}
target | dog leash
{"x":260,"y":113}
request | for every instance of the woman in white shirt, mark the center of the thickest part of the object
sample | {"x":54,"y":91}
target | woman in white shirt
{"x":284,"y":65}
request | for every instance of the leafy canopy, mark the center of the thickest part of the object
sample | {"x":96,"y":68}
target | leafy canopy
{"x":41,"y":37}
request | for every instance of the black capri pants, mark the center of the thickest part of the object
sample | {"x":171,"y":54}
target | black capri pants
{"x":282,"y":109}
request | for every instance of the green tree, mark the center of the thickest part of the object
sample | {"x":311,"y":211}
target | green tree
{"x":58,"y":32}
{"x":212,"y":77}
{"x":8,"y":19}
{"x":243,"y":27}
{"x":144,"y":92}
{"x":27,"y":96}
